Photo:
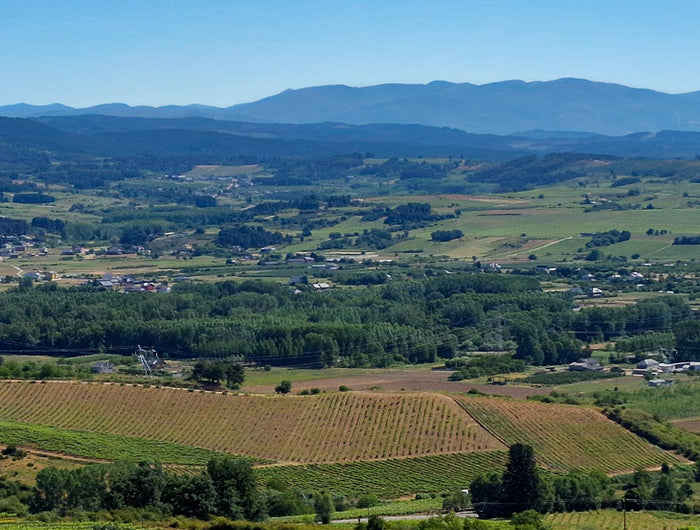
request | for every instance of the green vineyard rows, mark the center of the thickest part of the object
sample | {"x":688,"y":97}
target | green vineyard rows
{"x":613,"y":520}
{"x":389,"y":478}
{"x":99,"y":445}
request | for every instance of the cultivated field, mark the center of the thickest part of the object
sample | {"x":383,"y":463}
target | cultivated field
{"x":335,"y":429}
{"x":390,"y":478}
{"x":613,"y":520}
{"x":338,"y":427}
{"x":564,"y":436}
{"x":690,"y":424}
{"x":413,"y":379}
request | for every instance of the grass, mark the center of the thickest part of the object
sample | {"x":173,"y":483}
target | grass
{"x":25,"y":469}
{"x":429,"y":505}
{"x":301,"y":375}
{"x":678,"y":401}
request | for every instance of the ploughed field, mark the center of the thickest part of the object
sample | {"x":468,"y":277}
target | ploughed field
{"x":347,"y":442}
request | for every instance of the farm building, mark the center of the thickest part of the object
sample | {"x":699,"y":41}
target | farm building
{"x":102,"y":367}
{"x":648,"y":364}
{"x":586,"y":365}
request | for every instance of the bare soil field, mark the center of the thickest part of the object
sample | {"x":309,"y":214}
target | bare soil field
{"x":406,"y":380}
{"x":689,"y":424}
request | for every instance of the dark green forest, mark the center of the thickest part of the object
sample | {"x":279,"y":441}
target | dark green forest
{"x":401,"y":321}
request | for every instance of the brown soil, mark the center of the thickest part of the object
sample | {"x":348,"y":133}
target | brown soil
{"x":691,"y":424}
{"x":410,"y":381}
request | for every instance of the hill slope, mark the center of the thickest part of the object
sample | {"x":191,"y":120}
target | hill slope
{"x":564,"y":436}
{"x":500,"y":108}
{"x":332,"y":427}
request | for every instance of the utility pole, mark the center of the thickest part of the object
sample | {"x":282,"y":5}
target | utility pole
{"x":624,"y":513}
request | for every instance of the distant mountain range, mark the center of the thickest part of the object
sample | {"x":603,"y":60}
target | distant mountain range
{"x":502,"y":108}
{"x":208,"y":139}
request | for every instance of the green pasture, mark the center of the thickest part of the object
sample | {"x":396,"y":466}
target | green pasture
{"x":204,"y":171}
{"x":566,"y":222}
{"x":556,"y":233}
{"x":95,"y":266}
{"x":59,"y":209}
{"x":680,"y":400}
{"x":626,"y":383}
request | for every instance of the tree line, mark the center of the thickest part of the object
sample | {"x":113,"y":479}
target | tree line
{"x":398,"y":321}
{"x":523,"y":486}
{"x":227,"y":488}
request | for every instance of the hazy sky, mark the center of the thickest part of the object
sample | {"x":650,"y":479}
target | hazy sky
{"x":216,"y":52}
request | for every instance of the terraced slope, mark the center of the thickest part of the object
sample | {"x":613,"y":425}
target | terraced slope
{"x":338,"y":427}
{"x":564,"y":436}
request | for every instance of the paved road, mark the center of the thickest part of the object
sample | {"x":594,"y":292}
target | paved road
{"x":412,"y":517}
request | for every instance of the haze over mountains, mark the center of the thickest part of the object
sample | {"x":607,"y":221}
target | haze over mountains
{"x":498,"y":108}
{"x":439,"y":119}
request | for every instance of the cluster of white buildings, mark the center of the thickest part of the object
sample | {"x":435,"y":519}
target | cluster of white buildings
{"x":652,"y":366}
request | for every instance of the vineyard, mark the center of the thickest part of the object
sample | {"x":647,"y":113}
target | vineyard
{"x":564,"y":436}
{"x":389,"y":478}
{"x":347,"y":442}
{"x":613,"y":520}
{"x":334,"y":427}
{"x":100,"y":446}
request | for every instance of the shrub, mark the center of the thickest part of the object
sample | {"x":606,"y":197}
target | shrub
{"x":284,"y":387}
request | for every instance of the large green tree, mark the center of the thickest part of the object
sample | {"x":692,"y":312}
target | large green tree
{"x":237,"y":494}
{"x":520,"y":480}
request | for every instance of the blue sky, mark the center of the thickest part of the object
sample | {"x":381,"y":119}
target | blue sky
{"x":216,"y":52}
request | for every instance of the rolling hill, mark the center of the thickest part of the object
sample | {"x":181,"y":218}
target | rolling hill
{"x":334,"y":427}
{"x":113,"y":136}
